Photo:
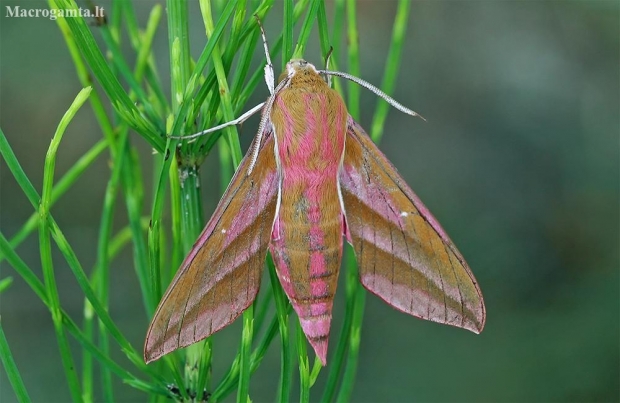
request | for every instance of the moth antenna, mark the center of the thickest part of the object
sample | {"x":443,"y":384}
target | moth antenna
{"x":259,"y":135}
{"x":233,"y":122}
{"x":374,"y":89}
{"x":269,"y":74}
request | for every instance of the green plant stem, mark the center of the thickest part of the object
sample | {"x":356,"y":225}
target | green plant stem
{"x":286,"y":371}
{"x":316,"y":370}
{"x":230,"y":380}
{"x":39,"y":289}
{"x":12,"y":372}
{"x":85,"y":78}
{"x":68,"y":254}
{"x":338,"y":358}
{"x":121,"y":102}
{"x":247,"y":334}
{"x":358,"y":295}
{"x":224,"y":91}
{"x":103,"y":263}
{"x":46,"y":247}
{"x":67,"y":180}
{"x":76,"y":38}
{"x":337,"y":33}
{"x":243,"y":67}
{"x":178,"y":249}
{"x":391,"y":69}
{"x":304,"y":365}
{"x":181,"y":118}
{"x":323,"y":28}
{"x":178,"y":38}
{"x":133,"y":191}
{"x":120,"y":240}
{"x":353,"y":103}
{"x":5,"y":283}
{"x":287,"y":34}
{"x":306,"y":27}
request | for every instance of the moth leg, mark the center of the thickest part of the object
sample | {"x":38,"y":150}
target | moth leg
{"x":275,"y":233}
{"x":233,"y":122}
{"x":265,"y":122}
{"x":328,"y":78}
{"x":345,"y":229}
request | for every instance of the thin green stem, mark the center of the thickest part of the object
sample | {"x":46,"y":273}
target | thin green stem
{"x":178,"y":39}
{"x":348,"y":377}
{"x":46,"y":247}
{"x":323,"y":28}
{"x":230,"y":380}
{"x":5,"y":283}
{"x":102,"y":273}
{"x":74,"y":265}
{"x":391,"y":69}
{"x":339,"y":11}
{"x":85,"y":78}
{"x":12,"y":372}
{"x":61,"y":187}
{"x":287,"y":34}
{"x":353,"y":98}
{"x":134,"y":200}
{"x":141,"y":42}
{"x":286,"y":371}
{"x":247,"y":334}
{"x":306,"y":27}
{"x":304,"y":365}
{"x":121,"y":102}
{"x":224,"y":91}
{"x":39,"y":289}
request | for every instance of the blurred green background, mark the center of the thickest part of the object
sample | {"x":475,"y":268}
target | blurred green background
{"x":519,"y":161}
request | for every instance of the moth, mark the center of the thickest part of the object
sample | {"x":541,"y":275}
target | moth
{"x":311,"y":178}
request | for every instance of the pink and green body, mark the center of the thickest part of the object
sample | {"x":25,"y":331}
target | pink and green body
{"x":309,"y":122}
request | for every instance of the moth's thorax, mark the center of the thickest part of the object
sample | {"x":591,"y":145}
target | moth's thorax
{"x":309,"y":119}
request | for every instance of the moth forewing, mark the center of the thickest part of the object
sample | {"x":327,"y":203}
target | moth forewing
{"x":404,"y":255}
{"x":220,"y":276}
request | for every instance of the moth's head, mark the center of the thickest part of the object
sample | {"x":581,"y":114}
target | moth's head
{"x":300,"y":70}
{"x":297,"y":65}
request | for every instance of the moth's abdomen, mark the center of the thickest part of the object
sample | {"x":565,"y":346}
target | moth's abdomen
{"x":307,"y":249}
{"x":307,"y":246}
